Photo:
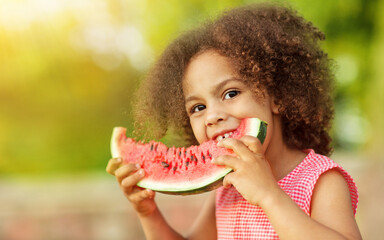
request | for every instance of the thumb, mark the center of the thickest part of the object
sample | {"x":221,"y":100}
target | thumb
{"x":253,"y":144}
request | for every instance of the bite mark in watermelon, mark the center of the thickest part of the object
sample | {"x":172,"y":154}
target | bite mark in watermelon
{"x":180,"y":170}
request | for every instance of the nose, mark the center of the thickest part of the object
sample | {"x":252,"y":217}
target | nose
{"x":215,"y":116}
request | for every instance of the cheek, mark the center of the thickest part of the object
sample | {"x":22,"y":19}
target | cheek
{"x":196,"y":129}
{"x":258,"y":110}
{"x":200,"y":133}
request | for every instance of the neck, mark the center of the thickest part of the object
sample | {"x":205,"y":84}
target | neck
{"x":282,"y":158}
{"x":284,"y":161}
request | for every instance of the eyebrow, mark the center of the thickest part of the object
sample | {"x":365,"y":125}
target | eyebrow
{"x":218,"y":86}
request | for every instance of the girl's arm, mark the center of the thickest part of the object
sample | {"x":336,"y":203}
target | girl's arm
{"x":156,"y":227}
{"x":331,"y":204}
{"x":331,"y":214}
{"x":152,"y":221}
{"x":205,"y":225}
{"x":142,"y":200}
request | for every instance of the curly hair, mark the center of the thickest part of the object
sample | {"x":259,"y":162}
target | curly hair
{"x":273,"y":49}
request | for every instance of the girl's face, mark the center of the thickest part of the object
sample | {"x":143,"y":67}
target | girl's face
{"x":216,"y":99}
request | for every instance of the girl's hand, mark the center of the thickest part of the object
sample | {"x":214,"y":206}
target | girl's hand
{"x":252,"y":175}
{"x":128,"y":175}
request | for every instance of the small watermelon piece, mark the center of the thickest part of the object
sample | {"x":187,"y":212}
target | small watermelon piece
{"x":180,"y":170}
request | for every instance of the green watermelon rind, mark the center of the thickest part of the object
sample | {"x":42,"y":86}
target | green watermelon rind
{"x":198,"y":186}
{"x":117,"y":133}
{"x":256,"y":128}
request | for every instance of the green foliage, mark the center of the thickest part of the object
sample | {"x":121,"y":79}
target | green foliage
{"x":68,"y":71}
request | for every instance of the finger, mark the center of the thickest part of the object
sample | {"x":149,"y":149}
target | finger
{"x":133,"y":179}
{"x":237,"y":146}
{"x":227,"y":181}
{"x":228,"y":161}
{"x":126,"y":170}
{"x":141,"y":195}
{"x":128,"y":191}
{"x":253,"y":143}
{"x":112,"y":165}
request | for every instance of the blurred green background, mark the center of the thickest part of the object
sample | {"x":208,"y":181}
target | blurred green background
{"x":68,"y":70}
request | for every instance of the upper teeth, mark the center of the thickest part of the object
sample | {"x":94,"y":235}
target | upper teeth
{"x":221,"y":137}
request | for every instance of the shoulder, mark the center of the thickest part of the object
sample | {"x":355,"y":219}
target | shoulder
{"x":317,"y":172}
{"x":331,"y":177}
{"x":331,"y":189}
{"x":332,"y":205}
{"x":329,"y":185}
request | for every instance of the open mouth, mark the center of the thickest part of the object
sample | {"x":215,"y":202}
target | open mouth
{"x":225,"y":135}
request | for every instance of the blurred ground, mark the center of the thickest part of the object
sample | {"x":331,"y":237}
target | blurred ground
{"x":91,"y":206}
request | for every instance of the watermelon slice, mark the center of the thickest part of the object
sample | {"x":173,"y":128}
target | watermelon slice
{"x":180,"y":170}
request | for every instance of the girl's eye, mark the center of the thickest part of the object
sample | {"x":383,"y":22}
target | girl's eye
{"x":231,"y":94}
{"x":197,"y":108}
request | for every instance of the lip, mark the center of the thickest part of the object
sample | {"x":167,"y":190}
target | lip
{"x":214,"y":137}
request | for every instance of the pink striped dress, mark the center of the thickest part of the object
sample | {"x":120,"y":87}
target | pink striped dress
{"x":237,"y":219}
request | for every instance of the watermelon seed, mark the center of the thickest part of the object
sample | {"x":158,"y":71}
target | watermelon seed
{"x":174,"y":167}
{"x":186,"y":163}
{"x":151,"y":147}
{"x":165,"y":165}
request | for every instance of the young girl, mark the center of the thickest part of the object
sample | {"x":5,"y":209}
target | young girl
{"x":259,"y":61}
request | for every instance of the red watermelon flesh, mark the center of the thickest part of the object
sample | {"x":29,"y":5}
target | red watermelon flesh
{"x":180,"y":170}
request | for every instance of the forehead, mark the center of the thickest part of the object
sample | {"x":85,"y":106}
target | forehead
{"x":207,"y":68}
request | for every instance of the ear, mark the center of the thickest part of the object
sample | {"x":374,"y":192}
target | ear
{"x":274,"y":106}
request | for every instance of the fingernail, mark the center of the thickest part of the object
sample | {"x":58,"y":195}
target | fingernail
{"x":213,"y":160}
{"x":118,"y":160}
{"x":137,"y":166}
{"x":141,"y":172}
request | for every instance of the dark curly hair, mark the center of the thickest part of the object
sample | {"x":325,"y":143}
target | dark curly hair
{"x":272,"y":48}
